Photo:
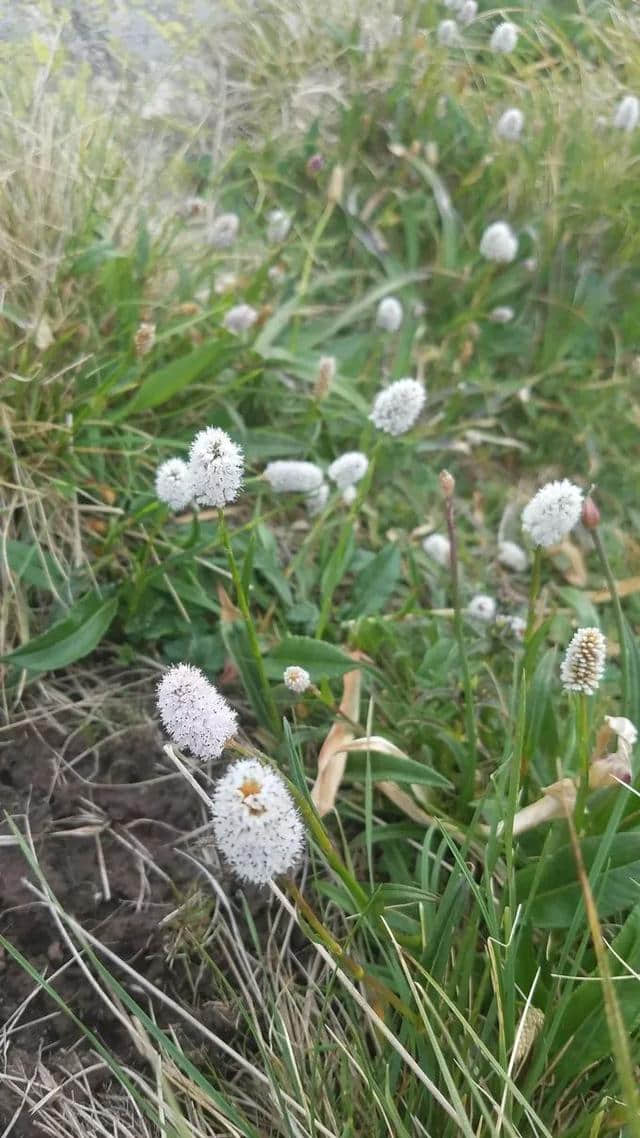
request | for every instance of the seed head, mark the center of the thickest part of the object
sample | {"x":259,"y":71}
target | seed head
{"x":296,"y":679}
{"x":255,"y":822}
{"x":627,"y":113}
{"x":193,"y":712}
{"x":224,"y":230}
{"x":504,"y":38}
{"x":389,"y":314}
{"x":397,"y":407}
{"x":288,"y":476}
{"x":552,"y":512}
{"x":348,"y":469}
{"x":438,"y":548}
{"x":216,"y":466}
{"x":512,"y":556}
{"x":482,"y":607}
{"x":173,"y":483}
{"x":144,"y":339}
{"x":279,"y":224}
{"x":584,"y":661}
{"x":240,"y":318}
{"x":499,"y":243}
{"x":509,"y":125}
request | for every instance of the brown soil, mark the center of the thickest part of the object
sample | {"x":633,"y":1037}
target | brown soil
{"x":124,"y":787}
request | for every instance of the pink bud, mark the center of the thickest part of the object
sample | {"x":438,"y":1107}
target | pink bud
{"x":447,"y":483}
{"x":315,"y":163}
{"x":590,"y":513}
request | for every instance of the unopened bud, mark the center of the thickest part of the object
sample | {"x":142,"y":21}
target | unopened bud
{"x":447,"y":483}
{"x":590,"y":513}
{"x":324,"y":376}
{"x":144,"y":338}
{"x":336,"y":184}
{"x":315,"y":164}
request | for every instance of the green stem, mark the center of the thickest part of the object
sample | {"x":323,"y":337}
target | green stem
{"x":582,"y":734}
{"x":619,"y":619}
{"x":534,"y":590}
{"x":254,"y":643}
{"x":468,"y":774}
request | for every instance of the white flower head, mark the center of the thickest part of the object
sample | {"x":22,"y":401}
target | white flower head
{"x":193,"y":712}
{"x":584,"y":661}
{"x":512,"y":556}
{"x":255,"y":822}
{"x":438,"y":548}
{"x":144,"y":339}
{"x":173,"y":483}
{"x":224,"y":230}
{"x":216,"y":465}
{"x":348,"y":469}
{"x":289,"y":476}
{"x":349,"y":495}
{"x":389,"y":314}
{"x":225,"y":282}
{"x":504,"y":38}
{"x":317,"y":499}
{"x":448,"y":34}
{"x":467,"y":12}
{"x":296,"y":679}
{"x":482,"y":607}
{"x":397,"y":407}
{"x":502,"y":314}
{"x":278,"y":226}
{"x":517,"y":625}
{"x":240,"y":318}
{"x":552,"y":512}
{"x":509,"y":125}
{"x":627,"y":113}
{"x":499,"y":243}
{"x":453,"y":5}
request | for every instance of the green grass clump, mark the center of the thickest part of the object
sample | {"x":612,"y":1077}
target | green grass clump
{"x":458,"y":976}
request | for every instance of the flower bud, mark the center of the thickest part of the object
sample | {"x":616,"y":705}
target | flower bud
{"x":447,"y":483}
{"x":315,"y":164}
{"x":590,"y":516}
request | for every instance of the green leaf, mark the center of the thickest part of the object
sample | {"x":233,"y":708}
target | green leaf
{"x":30,"y":563}
{"x":388,"y":768}
{"x":174,"y":377}
{"x":70,"y":639}
{"x":236,"y":641}
{"x":375,"y":583}
{"x":319,"y":658}
{"x":632,"y":687}
{"x":559,"y":892}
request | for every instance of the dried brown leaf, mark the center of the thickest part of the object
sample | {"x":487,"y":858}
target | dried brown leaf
{"x":333,"y":755}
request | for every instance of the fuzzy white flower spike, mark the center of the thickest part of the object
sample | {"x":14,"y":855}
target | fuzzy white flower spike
{"x":216,"y":467}
{"x":193,"y":712}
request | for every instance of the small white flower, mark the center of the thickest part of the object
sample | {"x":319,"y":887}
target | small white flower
{"x":517,"y":625}
{"x":552,"y":512}
{"x":255,"y":822}
{"x":482,"y":607}
{"x":193,"y":712}
{"x":225,"y":282}
{"x":276,"y":274}
{"x":279,"y":224}
{"x":448,"y":33}
{"x":438,"y":548}
{"x":216,"y":466}
{"x":503,"y":314}
{"x":453,"y":5}
{"x":584,"y":661}
{"x":389,"y":314}
{"x":240,"y":318}
{"x":317,"y":500}
{"x":349,"y":495}
{"x":512,"y":556}
{"x":627,"y":113}
{"x":397,"y":407}
{"x":173,"y":483}
{"x":348,"y":469}
{"x":504,"y":38}
{"x":499,"y":243}
{"x":509,"y":125}
{"x":296,"y":679}
{"x":224,"y":230}
{"x":288,"y":476}
{"x":467,"y":12}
